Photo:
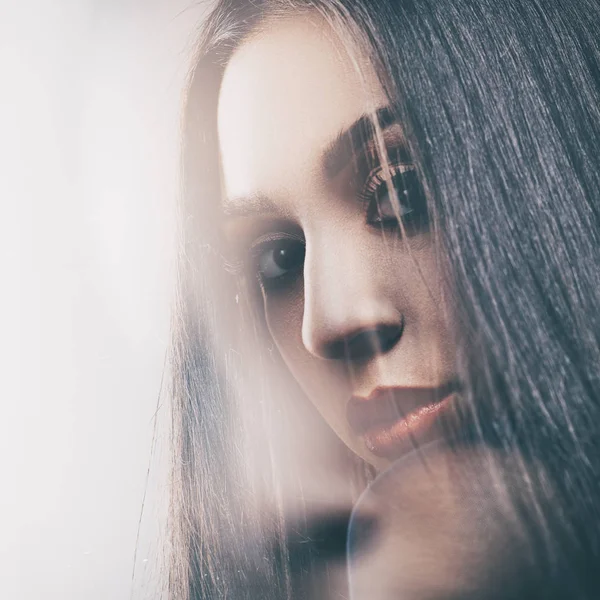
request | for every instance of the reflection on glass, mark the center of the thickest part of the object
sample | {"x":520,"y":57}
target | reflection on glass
{"x":385,"y":347}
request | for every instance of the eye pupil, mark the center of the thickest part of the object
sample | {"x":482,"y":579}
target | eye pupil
{"x":283,"y":257}
{"x":386,"y":205}
{"x":288,"y":255}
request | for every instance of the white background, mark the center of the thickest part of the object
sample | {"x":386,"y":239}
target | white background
{"x":89,"y":117}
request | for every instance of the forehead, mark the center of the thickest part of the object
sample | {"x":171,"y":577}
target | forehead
{"x":286,"y":93}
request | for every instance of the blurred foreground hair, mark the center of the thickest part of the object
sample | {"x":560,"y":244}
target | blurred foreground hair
{"x":500,"y":103}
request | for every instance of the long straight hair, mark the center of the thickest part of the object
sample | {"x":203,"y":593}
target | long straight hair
{"x":500,"y":103}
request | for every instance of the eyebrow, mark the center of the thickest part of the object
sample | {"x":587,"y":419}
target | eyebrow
{"x":336,"y":156}
{"x":245,"y":206}
{"x":349,"y":142}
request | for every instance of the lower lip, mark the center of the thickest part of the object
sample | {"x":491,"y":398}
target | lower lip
{"x":419,"y":427}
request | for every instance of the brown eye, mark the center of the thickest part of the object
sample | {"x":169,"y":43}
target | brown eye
{"x":408,"y":204}
{"x":384,"y":207}
{"x":280,"y":257}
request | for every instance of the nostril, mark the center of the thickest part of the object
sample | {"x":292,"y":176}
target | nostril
{"x":367,"y":343}
{"x":389,"y":335}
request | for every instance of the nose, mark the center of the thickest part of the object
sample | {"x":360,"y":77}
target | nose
{"x":348,"y":315}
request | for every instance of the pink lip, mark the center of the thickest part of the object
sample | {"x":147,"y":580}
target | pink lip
{"x":392,"y":421}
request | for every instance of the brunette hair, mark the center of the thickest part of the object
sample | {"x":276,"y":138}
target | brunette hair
{"x":500,"y":103}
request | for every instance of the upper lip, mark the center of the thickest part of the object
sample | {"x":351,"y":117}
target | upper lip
{"x":386,"y":405}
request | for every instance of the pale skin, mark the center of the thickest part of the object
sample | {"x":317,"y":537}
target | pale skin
{"x":287,"y":94}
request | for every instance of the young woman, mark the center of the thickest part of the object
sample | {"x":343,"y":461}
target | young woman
{"x":391,"y":216}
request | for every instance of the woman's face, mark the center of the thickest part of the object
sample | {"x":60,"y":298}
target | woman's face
{"x":338,"y":238}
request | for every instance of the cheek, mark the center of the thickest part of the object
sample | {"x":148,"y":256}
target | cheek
{"x":324,"y":382}
{"x":283,"y":314}
{"x":421,"y":293}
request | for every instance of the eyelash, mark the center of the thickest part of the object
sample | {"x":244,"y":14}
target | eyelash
{"x":403,"y":179}
{"x":376,"y":178}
